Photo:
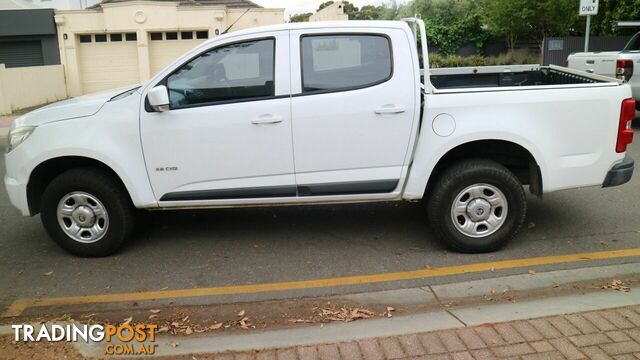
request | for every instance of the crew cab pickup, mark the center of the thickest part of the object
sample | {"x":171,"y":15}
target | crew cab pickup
{"x":618,"y":64}
{"x":320,"y":113}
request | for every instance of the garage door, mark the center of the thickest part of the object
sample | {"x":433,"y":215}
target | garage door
{"x":108,"y":61}
{"x":165,"y":47}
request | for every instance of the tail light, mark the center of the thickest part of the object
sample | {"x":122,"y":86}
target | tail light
{"x":624,"y":69}
{"x":625,"y":132}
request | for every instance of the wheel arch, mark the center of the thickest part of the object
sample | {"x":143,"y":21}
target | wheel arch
{"x":46,"y":171}
{"x":513,"y":156}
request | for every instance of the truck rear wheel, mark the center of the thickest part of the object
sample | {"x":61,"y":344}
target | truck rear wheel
{"x":476,"y":206}
{"x":87,"y":212}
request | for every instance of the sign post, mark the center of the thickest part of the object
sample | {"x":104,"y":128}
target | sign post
{"x":588,"y":8}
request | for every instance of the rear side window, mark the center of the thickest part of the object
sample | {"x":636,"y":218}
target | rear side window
{"x":343,"y":62}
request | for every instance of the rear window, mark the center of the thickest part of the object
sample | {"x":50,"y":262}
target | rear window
{"x":343,"y":62}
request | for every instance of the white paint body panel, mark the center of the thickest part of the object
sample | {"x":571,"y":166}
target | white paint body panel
{"x":331,"y":138}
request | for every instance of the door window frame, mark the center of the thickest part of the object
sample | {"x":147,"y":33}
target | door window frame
{"x":348,"y":88}
{"x":164,"y":80}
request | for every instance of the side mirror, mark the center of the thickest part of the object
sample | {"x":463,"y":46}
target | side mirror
{"x":159,"y":98}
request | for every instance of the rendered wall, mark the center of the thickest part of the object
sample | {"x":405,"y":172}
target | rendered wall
{"x":25,"y":87}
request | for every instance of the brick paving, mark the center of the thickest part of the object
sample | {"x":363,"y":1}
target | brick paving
{"x":608,"y":335}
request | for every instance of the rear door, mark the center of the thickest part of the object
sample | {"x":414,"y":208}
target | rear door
{"x":353,"y":103}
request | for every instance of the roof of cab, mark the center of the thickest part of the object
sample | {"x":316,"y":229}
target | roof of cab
{"x":395,"y":24}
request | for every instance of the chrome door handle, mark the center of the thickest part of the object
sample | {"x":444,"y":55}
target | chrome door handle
{"x":389,"y":110}
{"x":590,"y":71}
{"x":266,"y":119}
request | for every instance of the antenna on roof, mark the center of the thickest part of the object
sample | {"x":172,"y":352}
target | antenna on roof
{"x":239,"y":17}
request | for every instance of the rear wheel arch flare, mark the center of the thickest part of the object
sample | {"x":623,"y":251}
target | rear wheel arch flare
{"x":513,"y":156}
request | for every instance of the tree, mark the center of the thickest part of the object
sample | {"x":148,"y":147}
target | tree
{"x":535,"y":20}
{"x":325,"y":4}
{"x":450,"y":24}
{"x":610,"y":12}
{"x":300,"y":17}
{"x":506,"y":18}
{"x":370,"y":12}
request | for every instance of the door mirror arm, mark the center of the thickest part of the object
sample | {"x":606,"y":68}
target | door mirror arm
{"x":158,"y":98}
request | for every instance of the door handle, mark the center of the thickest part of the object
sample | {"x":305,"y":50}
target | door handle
{"x":266,"y":119}
{"x":591,"y":71}
{"x":389,"y":109}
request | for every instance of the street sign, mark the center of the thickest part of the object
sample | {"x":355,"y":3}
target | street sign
{"x":588,"y":7}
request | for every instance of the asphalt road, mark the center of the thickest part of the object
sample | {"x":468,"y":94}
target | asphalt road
{"x":205,"y":248}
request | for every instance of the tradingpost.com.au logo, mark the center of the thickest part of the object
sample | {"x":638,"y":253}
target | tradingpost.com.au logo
{"x":124,"y":339}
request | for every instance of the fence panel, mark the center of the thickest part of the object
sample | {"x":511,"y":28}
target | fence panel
{"x":557,"y":49}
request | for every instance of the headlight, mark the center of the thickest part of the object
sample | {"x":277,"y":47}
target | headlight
{"x":18,"y":135}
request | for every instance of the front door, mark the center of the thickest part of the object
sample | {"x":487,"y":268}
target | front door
{"x":227,"y":135}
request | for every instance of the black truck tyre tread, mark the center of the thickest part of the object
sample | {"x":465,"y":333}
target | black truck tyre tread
{"x":457,"y":177}
{"x":109,"y":190}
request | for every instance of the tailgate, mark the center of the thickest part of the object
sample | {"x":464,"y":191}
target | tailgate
{"x":596,"y":63}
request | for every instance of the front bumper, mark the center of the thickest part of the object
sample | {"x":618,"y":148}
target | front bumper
{"x":620,"y":173}
{"x":17,"y":194}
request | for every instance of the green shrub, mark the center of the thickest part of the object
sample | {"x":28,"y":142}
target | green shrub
{"x":511,"y":58}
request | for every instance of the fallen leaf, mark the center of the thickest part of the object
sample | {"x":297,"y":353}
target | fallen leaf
{"x":152,"y":316}
{"x":241,"y":313}
{"x":531,"y":225}
{"x":617,"y":285}
{"x":174,"y":344}
{"x":188,"y":331}
{"x":215,"y":326}
{"x":532,"y":272}
{"x":154,"y":311}
{"x":298,"y":321}
{"x":48,"y":273}
{"x":493,"y":291}
{"x":127,"y":320}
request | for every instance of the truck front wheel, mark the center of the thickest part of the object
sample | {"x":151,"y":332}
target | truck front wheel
{"x":87,"y":212}
{"x":476,"y":206}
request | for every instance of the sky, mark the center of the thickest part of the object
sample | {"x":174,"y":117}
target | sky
{"x":304,"y":6}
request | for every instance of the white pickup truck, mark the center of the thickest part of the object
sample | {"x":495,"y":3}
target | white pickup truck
{"x":616,"y":64}
{"x":320,"y":113}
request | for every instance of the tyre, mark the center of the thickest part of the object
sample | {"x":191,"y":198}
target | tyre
{"x":476,"y":206}
{"x":87,"y":212}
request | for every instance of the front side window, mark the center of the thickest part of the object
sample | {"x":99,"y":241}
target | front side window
{"x":341,"y":62}
{"x":240,"y":71}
